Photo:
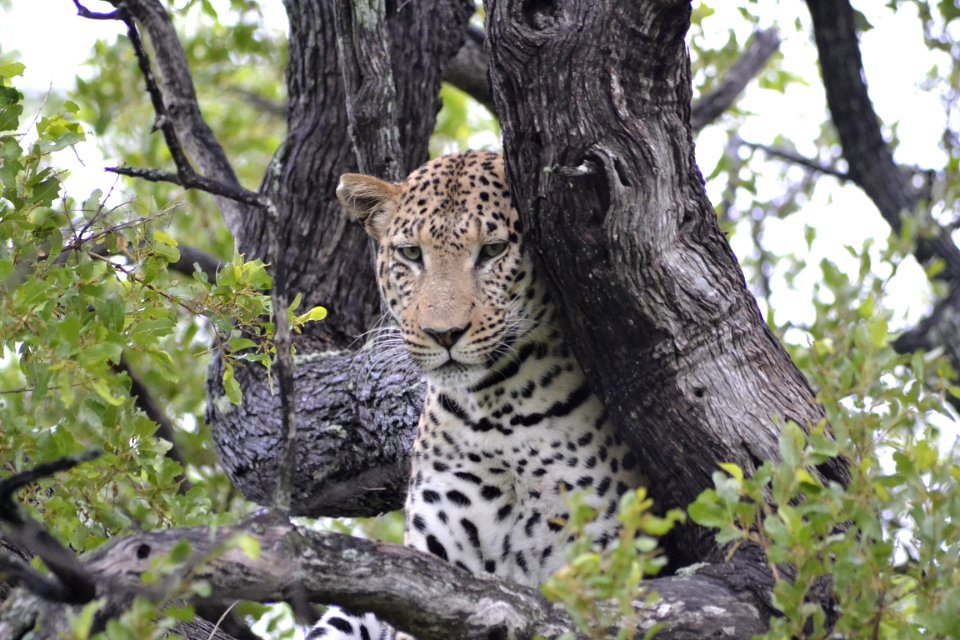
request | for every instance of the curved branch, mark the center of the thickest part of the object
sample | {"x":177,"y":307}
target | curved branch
{"x":710,"y":106}
{"x":467,"y":70}
{"x":871,"y":163}
{"x":191,"y":258}
{"x":413,"y":591}
{"x":177,"y":100}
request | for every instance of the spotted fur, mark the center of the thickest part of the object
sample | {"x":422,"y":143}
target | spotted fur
{"x":509,"y":427}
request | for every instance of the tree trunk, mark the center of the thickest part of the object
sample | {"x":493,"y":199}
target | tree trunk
{"x":356,"y":417}
{"x":594,"y":99}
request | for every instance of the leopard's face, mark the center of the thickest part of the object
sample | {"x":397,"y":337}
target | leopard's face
{"x":451,"y":263}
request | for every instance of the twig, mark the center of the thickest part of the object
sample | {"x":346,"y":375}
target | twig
{"x":795,"y":158}
{"x":173,"y":85}
{"x":189,"y":179}
{"x":83,"y":12}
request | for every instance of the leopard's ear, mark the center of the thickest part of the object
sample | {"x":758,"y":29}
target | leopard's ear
{"x":369,"y":199}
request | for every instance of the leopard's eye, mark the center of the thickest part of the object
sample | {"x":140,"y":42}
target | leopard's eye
{"x":411,"y":252}
{"x":492,"y":250}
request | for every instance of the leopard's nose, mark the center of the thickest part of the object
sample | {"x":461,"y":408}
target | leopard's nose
{"x":446,"y":338}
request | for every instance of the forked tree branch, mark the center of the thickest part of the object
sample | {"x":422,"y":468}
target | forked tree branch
{"x":173,"y":96}
{"x":177,"y":102}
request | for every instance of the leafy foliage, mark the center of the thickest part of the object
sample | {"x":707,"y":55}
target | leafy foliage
{"x":87,"y":300}
{"x":888,"y":543}
{"x":592,"y":577}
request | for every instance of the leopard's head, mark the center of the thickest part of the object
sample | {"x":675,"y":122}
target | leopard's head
{"x":451,"y":263}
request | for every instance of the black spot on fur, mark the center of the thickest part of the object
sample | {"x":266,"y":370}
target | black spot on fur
{"x":458,"y":498}
{"x":434,"y":547}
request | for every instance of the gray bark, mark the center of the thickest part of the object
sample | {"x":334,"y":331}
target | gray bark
{"x":656,"y":305}
{"x":413,"y":591}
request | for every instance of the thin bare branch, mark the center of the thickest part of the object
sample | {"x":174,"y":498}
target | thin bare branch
{"x":83,"y":12}
{"x":795,"y":158}
{"x":175,"y":102}
{"x":191,"y":180}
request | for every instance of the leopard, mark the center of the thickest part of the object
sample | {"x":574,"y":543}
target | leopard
{"x":510,"y":427}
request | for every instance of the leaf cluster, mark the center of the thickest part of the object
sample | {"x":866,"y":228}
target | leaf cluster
{"x":888,"y":545}
{"x":595,"y":576}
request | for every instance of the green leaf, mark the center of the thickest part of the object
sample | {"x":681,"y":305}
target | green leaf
{"x":707,"y":511}
{"x":103,"y":390}
{"x":316,"y":313}
{"x":249,"y":545}
{"x":163,"y":238}
{"x":12,"y":69}
{"x":732,"y":469}
{"x":110,"y":312}
{"x":180,"y":552}
{"x":230,"y":385}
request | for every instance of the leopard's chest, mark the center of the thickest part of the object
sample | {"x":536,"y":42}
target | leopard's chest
{"x":493,"y":471}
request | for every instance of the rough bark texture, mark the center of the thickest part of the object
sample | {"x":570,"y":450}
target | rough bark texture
{"x":328,"y":262}
{"x":411,"y":590}
{"x":594,"y":99}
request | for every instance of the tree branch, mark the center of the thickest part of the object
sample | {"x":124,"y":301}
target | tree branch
{"x":371,"y":93}
{"x":797,"y":159}
{"x":759,"y":50}
{"x":73,"y":585}
{"x":189,"y":256}
{"x":467,"y":70}
{"x":413,"y":591}
{"x":871,"y":163}
{"x":175,"y":102}
{"x":165,"y":427}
